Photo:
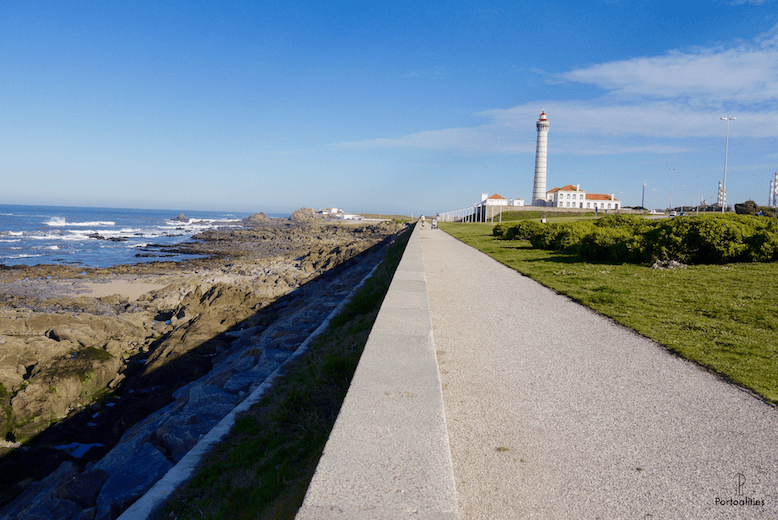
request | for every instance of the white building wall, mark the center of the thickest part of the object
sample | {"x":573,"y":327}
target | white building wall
{"x":496,"y":202}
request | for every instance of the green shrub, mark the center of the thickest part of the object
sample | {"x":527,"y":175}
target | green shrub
{"x":633,"y":223}
{"x":524,"y":230}
{"x":710,"y":239}
{"x":565,"y":236}
{"x":521,"y":230}
{"x":500,"y":229}
{"x":612,"y":244}
{"x":763,"y":246}
{"x":705,"y":239}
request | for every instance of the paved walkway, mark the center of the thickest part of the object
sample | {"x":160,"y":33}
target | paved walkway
{"x":555,"y":412}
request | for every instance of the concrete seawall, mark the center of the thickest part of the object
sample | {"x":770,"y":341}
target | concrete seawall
{"x":388,"y":455}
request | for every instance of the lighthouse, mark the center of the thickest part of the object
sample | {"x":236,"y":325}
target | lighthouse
{"x":539,"y":188}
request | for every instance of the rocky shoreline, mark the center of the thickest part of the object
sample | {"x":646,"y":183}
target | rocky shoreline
{"x":79,"y":367}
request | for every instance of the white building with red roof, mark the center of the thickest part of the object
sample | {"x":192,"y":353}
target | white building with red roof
{"x":499,"y":200}
{"x":494,"y":200}
{"x":570,"y":196}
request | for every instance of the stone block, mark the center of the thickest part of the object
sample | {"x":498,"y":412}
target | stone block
{"x":134,"y":478}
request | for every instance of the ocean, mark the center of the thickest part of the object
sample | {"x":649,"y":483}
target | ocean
{"x":31,"y":235}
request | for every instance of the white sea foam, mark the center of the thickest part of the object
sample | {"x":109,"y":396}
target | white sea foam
{"x":16,"y":257}
{"x":61,"y":222}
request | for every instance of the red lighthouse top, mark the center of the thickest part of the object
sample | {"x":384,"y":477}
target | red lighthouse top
{"x":543,"y":116}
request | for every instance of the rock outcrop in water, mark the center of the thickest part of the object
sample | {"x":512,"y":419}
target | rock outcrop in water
{"x":59,"y":353}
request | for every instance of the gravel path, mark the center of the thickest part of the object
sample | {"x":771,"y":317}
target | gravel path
{"x":556,"y":412}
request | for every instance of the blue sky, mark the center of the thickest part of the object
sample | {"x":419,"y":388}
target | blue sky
{"x":390,"y":107}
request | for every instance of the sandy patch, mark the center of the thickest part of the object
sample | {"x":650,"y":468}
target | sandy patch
{"x":128,"y":289}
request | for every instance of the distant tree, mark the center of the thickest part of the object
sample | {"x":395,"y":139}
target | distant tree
{"x":746,"y":208}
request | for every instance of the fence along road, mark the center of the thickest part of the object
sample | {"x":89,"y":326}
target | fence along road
{"x":556,"y":412}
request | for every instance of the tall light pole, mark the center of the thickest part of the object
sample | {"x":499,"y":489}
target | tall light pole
{"x":643,"y":200}
{"x":671,"y":188}
{"x":726,"y":152}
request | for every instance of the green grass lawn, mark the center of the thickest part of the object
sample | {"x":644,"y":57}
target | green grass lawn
{"x":724,"y":317}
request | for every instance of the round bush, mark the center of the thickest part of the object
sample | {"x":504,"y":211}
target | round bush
{"x":612,"y":245}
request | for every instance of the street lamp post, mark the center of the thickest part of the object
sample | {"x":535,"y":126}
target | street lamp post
{"x":671,"y":188}
{"x":643,"y":200}
{"x":726,"y":152}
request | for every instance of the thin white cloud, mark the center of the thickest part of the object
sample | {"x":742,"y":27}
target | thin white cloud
{"x":744,"y":75}
{"x":646,"y":105}
{"x":655,"y":119}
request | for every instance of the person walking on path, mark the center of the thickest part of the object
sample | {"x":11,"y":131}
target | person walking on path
{"x":554,"y":411}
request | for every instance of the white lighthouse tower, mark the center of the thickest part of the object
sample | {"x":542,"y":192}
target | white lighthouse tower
{"x":539,"y":188}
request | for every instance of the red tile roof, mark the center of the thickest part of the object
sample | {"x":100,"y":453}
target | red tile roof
{"x":598,"y":196}
{"x":496,"y":196}
{"x":569,"y":187}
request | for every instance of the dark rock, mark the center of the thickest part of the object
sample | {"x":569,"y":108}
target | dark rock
{"x":243,"y":380}
{"x":180,"y":218}
{"x":131,"y":441}
{"x":303,"y":215}
{"x":37,"y":498}
{"x":50,"y":509}
{"x":256,"y":218}
{"x":84,"y":488}
{"x":137,"y":475}
{"x":88,"y":514}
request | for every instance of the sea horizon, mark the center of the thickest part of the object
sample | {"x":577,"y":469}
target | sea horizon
{"x":102,"y":236}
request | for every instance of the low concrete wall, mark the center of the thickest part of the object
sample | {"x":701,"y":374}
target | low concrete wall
{"x":388,"y":455}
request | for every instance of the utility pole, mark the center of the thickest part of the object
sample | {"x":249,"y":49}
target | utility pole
{"x":726,"y":152}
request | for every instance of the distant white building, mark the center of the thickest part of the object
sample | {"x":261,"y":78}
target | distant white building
{"x":339,"y":214}
{"x":570,"y":196}
{"x":495,"y":200}
{"x":330,"y":211}
{"x":516,"y":202}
